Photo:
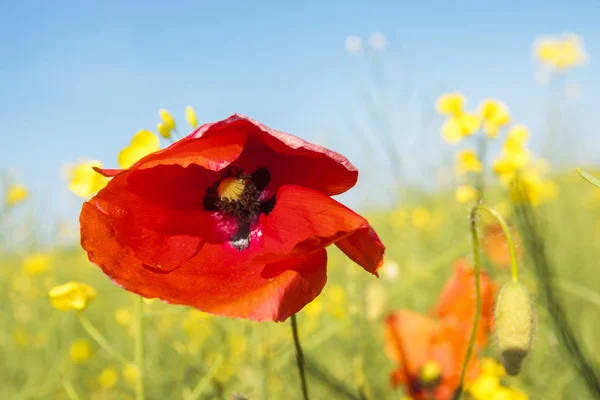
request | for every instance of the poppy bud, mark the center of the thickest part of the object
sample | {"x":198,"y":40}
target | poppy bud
{"x":514,"y":325}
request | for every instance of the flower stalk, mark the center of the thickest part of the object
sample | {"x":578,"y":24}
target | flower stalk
{"x":139,"y":347}
{"x":477,"y":268}
{"x":99,"y":338}
{"x":299,"y":358}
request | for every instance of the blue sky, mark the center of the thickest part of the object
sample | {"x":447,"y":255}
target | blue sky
{"x":79,"y":78}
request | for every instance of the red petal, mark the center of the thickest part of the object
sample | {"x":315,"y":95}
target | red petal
{"x":364,"y":248}
{"x":107,"y":172}
{"x":304,"y":163}
{"x":156,"y":213}
{"x":217,"y":280}
{"x":306,"y":220}
{"x":457,"y":300}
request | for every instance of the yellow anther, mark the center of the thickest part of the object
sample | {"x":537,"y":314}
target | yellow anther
{"x":430,"y":374}
{"x":231,"y":188}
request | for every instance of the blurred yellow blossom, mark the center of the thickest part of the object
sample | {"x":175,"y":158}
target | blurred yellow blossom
{"x":450,"y":104}
{"x":398,"y":218}
{"x":163,"y":130}
{"x":84,"y":181}
{"x":467,"y":161}
{"x":80,"y":351}
{"x":108,"y":378}
{"x":495,"y":115}
{"x":190,"y":115}
{"x":143,"y":143}
{"x":16,"y":194}
{"x":376,"y":299}
{"x":71,"y":296}
{"x":561,"y":52}
{"x":390,"y":269}
{"x":421,"y":218}
{"x":36,"y":263}
{"x":337,"y":305}
{"x":167,"y":118}
{"x":130,"y":373}
{"x":466,"y":194}
{"x":488,"y":385}
{"x":457,"y":128}
{"x":517,"y":138}
{"x":530,"y":187}
{"x":314,"y":309}
{"x":123,"y":316}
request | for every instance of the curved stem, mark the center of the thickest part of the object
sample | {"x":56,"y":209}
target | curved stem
{"x":299,"y":357}
{"x":99,"y":338}
{"x":477,"y":268}
{"x":139,"y":347}
{"x":509,"y":240}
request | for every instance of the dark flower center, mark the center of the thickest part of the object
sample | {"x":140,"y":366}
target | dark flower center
{"x":237,"y":194}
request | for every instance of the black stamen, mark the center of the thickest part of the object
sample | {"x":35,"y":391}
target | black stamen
{"x":268,"y":206}
{"x":261,"y":178}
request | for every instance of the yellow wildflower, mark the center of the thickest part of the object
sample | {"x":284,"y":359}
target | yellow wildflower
{"x":71,"y":296}
{"x":130,"y":373}
{"x":495,"y":115}
{"x":84,"y":181}
{"x":163,"y":130}
{"x":466,"y":194}
{"x":80,"y":351}
{"x":516,"y":139}
{"x":314,"y":309}
{"x":467,"y":161}
{"x":36,"y":263}
{"x":457,"y":128}
{"x":16,"y":194}
{"x":561,"y":53}
{"x":167,"y":119}
{"x":123,"y":316}
{"x":190,"y":115}
{"x":450,"y":104}
{"x":108,"y":378}
{"x":143,"y":143}
{"x":421,"y":218}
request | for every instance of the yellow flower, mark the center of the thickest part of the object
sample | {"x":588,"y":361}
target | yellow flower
{"x":71,"y":296}
{"x":123,"y":316}
{"x":143,"y":143}
{"x":130,"y":373}
{"x":314,"y":309}
{"x":390,"y":269}
{"x":532,"y":188}
{"x":467,"y":161}
{"x":457,"y":128}
{"x":562,"y":52}
{"x":36,"y":263}
{"x":516,"y":139}
{"x":466,"y":194}
{"x":167,"y":119}
{"x":108,"y":378}
{"x":495,"y":115}
{"x":84,"y":181}
{"x":450,"y":104}
{"x":163,"y":130}
{"x":80,"y":351}
{"x":190,"y":115}
{"x":16,"y":194}
{"x":421,"y":218}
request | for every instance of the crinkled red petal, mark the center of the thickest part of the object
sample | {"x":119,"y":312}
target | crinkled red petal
{"x":218,"y":279}
{"x":305,"y":164}
{"x":305,"y":220}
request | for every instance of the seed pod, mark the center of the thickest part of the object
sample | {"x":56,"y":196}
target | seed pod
{"x":515,"y":325}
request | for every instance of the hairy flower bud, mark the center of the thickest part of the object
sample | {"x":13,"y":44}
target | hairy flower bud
{"x":515,"y":325}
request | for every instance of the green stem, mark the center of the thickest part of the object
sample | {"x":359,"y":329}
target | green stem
{"x":139,"y":346}
{"x":99,"y":338}
{"x":299,"y":357}
{"x":477,"y":268}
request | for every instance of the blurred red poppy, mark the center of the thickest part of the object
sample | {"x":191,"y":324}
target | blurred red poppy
{"x":456,"y":302}
{"x":429,"y":354}
{"x":233,"y":219}
{"x":496,"y":247}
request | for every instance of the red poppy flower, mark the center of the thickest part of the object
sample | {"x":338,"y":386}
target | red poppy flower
{"x":233,"y":219}
{"x":429,"y":354}
{"x":456,"y":302}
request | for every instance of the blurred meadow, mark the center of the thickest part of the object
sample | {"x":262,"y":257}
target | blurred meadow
{"x":439,"y":106}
